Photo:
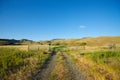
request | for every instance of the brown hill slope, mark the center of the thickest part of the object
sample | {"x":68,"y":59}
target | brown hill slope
{"x":98,"y":41}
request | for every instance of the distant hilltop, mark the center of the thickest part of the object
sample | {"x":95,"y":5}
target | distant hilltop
{"x":90,"y":41}
{"x":13,"y":41}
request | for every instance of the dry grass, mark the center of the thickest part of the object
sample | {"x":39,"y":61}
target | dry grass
{"x":21,"y":47}
{"x":18,"y":64}
{"x":27,"y":47}
{"x":98,"y":41}
{"x":60,"y":71}
{"x":25,"y":72}
{"x":97,"y":70}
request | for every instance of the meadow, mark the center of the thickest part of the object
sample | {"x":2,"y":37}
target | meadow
{"x":15,"y":63}
{"x":73,"y":59}
{"x":98,"y":64}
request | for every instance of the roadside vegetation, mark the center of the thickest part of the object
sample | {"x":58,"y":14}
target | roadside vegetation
{"x":17,"y":64}
{"x":92,"y":58}
{"x":98,"y":65}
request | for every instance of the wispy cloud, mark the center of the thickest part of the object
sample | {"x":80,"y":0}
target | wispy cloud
{"x":82,"y":26}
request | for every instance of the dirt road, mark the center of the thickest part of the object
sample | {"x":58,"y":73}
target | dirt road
{"x":44,"y":73}
{"x":74,"y":72}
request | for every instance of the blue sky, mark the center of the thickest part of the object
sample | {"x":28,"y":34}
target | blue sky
{"x":50,"y":19}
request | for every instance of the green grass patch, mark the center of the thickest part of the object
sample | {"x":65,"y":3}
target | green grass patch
{"x":103,"y":56}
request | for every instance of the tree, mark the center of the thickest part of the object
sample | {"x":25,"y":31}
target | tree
{"x":83,"y":44}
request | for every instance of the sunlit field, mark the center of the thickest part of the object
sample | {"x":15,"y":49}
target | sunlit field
{"x":98,"y":64}
{"x":59,"y":39}
{"x":60,"y":60}
{"x":19,"y":64}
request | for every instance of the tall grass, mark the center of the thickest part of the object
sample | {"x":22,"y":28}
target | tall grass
{"x":104,"y":55}
{"x":13,"y":60}
{"x":100,"y":65}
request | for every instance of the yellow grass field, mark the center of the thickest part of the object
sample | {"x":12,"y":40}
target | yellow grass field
{"x":26,"y":47}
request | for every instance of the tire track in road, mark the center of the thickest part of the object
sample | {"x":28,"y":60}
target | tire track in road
{"x":74,"y":72}
{"x":44,"y":73}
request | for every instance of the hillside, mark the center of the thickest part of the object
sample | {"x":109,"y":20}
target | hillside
{"x":98,"y":41}
{"x":13,"y":41}
{"x":90,"y":41}
{"x":102,"y":41}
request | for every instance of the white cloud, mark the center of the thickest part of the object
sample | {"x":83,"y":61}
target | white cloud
{"x":82,"y":26}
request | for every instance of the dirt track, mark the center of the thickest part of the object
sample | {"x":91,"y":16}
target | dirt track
{"x":46,"y":70}
{"x":74,"y":72}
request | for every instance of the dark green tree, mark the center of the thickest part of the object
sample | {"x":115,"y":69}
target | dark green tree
{"x":83,"y":44}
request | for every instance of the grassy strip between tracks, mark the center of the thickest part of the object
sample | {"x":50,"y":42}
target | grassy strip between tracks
{"x":60,"y":72}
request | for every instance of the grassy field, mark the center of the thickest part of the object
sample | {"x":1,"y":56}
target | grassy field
{"x":93,"y":61}
{"x":98,"y":64}
{"x":26,"y":47}
{"x":20,"y":47}
{"x":15,"y":63}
